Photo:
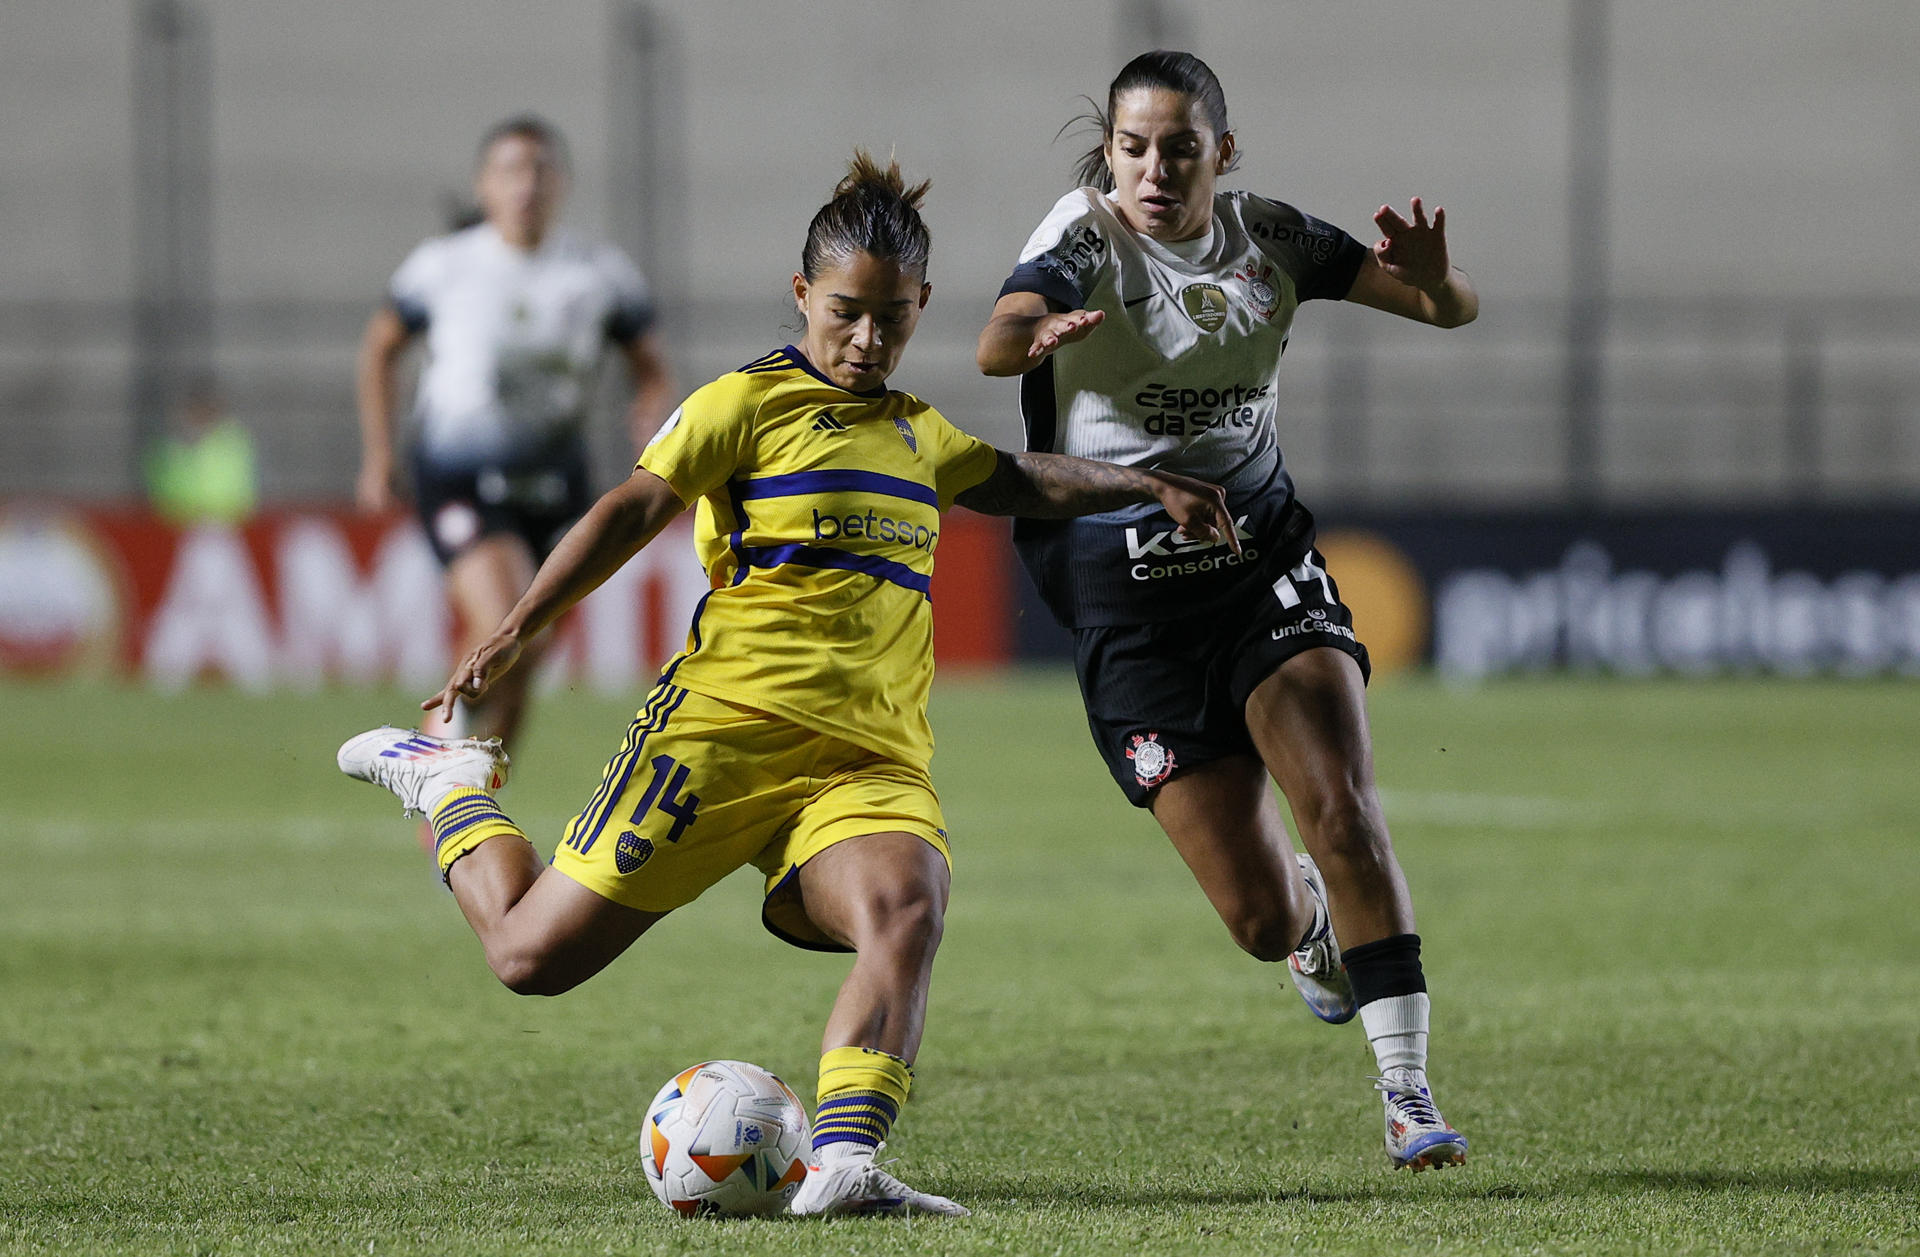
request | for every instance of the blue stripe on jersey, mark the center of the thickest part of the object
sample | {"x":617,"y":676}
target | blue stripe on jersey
{"x":800,"y":360}
{"x":736,"y":540}
{"x":777,"y":360}
{"x":822,"y":556}
{"x":693,"y":630}
{"x":834,"y":481}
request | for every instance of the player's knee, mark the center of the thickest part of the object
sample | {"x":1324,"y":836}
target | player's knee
{"x":1347,"y":820}
{"x":908,"y":920}
{"x":526,"y":971}
{"x":1267,"y":934}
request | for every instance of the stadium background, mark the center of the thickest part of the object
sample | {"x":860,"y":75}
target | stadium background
{"x":1684,"y":435}
{"x":1669,"y":917}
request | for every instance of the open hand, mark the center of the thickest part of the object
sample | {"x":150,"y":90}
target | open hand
{"x":1055,"y":330}
{"x":1415,"y":253}
{"x":482,"y":666}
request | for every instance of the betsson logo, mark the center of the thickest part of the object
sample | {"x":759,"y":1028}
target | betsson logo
{"x":874,"y":527}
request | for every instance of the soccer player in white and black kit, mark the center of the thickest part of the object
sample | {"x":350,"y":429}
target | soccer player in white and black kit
{"x":517,"y":314}
{"x":1147,"y":316}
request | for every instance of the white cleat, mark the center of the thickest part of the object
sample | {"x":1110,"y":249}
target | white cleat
{"x":851,"y":1182}
{"x":422,"y":769}
{"x":1318,"y":973}
{"x":1418,"y":1138}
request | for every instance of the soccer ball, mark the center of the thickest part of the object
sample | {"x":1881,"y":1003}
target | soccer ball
{"x":725,"y":1138}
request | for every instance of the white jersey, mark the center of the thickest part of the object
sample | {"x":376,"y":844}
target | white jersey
{"x":514,"y":339}
{"x":1181,"y":376}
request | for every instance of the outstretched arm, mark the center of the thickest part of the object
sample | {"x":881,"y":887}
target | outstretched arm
{"x":1059,"y":486}
{"x":1409,"y":273}
{"x":1022,"y":332}
{"x":625,"y":518}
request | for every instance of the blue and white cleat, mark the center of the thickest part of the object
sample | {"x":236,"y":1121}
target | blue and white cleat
{"x":1418,"y":1138}
{"x":420,"y":768}
{"x":846,"y":1179}
{"x":1317,"y":970}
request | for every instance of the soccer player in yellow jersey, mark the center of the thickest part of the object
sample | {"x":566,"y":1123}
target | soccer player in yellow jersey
{"x":791,"y":733}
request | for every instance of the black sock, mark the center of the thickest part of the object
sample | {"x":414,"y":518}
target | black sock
{"x":1384,"y":968}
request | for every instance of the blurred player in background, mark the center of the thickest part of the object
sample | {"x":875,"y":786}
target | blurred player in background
{"x":517,"y":313}
{"x":792,"y":732}
{"x":203,"y":467}
{"x":1147,"y":316}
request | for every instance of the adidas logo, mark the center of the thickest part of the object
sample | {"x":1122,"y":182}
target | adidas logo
{"x":827,"y":423}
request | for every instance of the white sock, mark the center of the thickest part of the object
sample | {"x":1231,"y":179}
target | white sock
{"x":1397,"y":1029}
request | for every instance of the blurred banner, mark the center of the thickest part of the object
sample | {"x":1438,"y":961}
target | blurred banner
{"x":300,"y":599}
{"x":304,"y":598}
{"x":1687,"y":592}
{"x":1792,"y":592}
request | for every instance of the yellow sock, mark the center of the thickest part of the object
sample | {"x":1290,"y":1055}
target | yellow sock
{"x":465,"y":819}
{"x":861,"y":1091}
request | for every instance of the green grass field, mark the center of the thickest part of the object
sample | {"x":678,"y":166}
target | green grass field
{"x":1671,"y":932}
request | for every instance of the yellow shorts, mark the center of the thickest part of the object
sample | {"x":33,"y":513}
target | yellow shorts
{"x":701,"y":787}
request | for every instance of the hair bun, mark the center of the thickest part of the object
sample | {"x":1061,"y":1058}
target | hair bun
{"x":872,"y":211}
{"x":864,"y":177}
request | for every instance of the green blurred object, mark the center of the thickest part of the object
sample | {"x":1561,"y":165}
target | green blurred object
{"x":204,"y":472}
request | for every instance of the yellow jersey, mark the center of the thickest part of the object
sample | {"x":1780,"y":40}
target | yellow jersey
{"x":818,"y":516}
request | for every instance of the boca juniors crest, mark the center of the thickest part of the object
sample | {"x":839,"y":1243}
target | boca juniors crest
{"x":906,"y":434}
{"x":631,"y":851}
{"x":1152,"y":762}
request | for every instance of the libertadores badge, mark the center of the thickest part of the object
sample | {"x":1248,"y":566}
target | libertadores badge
{"x":1206,"y":305}
{"x":1152,"y":762}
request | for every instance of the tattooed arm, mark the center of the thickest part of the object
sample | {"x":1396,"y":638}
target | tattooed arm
{"x":1059,"y":486}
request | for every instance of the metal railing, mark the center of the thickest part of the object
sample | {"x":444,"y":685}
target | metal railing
{"x":1717,"y":401}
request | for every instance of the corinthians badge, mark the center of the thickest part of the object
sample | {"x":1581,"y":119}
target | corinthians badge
{"x":1152,"y":762}
{"x":1261,"y":297}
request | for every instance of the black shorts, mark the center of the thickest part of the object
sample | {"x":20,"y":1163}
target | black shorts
{"x":1167,"y":696}
{"x":536,"y":502}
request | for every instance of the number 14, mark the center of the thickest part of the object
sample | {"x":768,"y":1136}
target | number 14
{"x":683,"y":809}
